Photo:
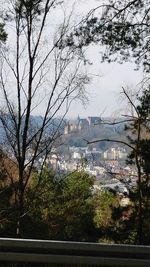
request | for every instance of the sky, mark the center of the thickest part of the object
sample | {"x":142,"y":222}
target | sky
{"x":107,"y":80}
{"x":104,"y":90}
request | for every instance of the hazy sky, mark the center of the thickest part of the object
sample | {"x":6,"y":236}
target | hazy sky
{"x":105,"y":88}
{"x":108,"y":79}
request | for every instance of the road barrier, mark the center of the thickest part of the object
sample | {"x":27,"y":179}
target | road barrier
{"x":78,"y":253}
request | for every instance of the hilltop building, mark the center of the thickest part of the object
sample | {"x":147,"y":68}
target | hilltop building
{"x":94,"y":121}
{"x":80,"y":124}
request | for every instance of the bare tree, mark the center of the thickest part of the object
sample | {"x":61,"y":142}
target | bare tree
{"x":137,"y":125}
{"x":37,"y":75}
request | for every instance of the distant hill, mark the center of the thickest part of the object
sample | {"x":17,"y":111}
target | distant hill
{"x":36,"y":122}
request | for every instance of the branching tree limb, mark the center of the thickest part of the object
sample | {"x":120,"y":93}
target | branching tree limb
{"x":42,"y":75}
{"x":137,"y":125}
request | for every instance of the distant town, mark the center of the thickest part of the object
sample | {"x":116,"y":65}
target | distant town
{"x":104,"y":160}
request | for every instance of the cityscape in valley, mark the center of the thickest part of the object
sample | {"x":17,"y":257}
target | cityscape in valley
{"x":104,"y":159}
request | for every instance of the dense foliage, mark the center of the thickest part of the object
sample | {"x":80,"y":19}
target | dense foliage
{"x":64,"y":205}
{"x":60,"y":208}
{"x":3,"y":34}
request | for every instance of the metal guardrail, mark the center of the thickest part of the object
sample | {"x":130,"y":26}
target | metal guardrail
{"x":64,"y":252}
